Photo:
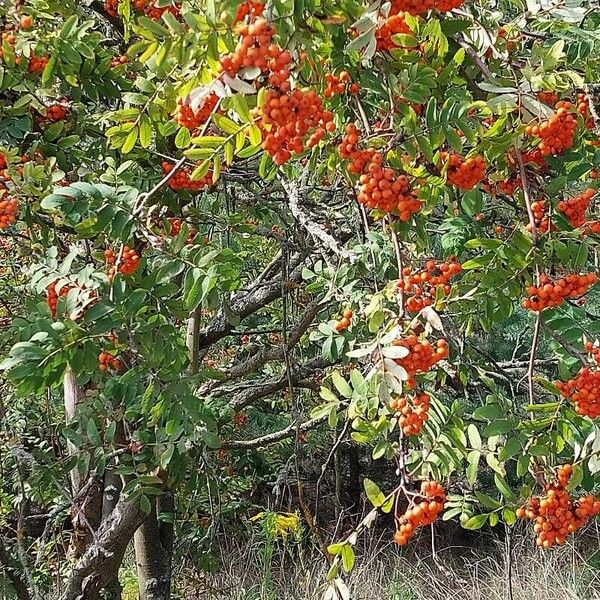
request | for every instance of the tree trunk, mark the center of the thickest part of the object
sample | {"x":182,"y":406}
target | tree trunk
{"x":100,"y":563}
{"x":85,"y":516}
{"x":113,"y":485}
{"x":154,"y":551}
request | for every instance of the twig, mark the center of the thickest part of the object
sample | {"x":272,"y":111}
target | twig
{"x":526,"y":195}
{"x":530,"y":368}
{"x":324,"y":466}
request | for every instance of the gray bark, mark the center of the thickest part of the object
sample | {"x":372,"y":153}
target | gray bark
{"x":100,"y":563}
{"x":154,"y":551}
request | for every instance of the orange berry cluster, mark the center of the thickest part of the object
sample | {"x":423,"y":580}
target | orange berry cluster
{"x":130,"y":261}
{"x":9,"y":38}
{"x":249,"y":9}
{"x":117,"y":61}
{"x":423,"y":511}
{"x":421,"y":357}
{"x":288,"y":117}
{"x":108,"y":361}
{"x":549,"y":294}
{"x":389,"y":27}
{"x":534,"y":157}
{"x":380,"y":187}
{"x":417,"y":7}
{"x":557,"y":514}
{"x":509,"y":186}
{"x":422,"y":286}
{"x":594,"y":351}
{"x":464,"y":173}
{"x":549,"y":98}
{"x":9,"y":208}
{"x":156,"y":12}
{"x":338,"y":84}
{"x":557,"y":134}
{"x":574,"y":208}
{"x":345,"y":321}
{"x":52,"y":296}
{"x":175,"y":228}
{"x":583,"y":391}
{"x":182,"y":178}
{"x":583,"y":108}
{"x":37,"y":63}
{"x":591,"y":227}
{"x":411,"y":415}
{"x":255,"y":49}
{"x":541,"y":218}
{"x":56,"y":112}
{"x":187,"y":117}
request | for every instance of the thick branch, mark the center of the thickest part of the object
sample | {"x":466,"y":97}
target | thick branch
{"x":328,"y":242}
{"x":277,"y":436}
{"x":266,"y":355}
{"x":261,"y":389}
{"x":247,"y":303}
{"x":101,"y":560}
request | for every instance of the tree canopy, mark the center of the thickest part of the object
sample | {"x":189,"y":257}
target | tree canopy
{"x":235,"y":233}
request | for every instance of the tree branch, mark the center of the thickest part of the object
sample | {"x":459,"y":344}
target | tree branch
{"x":328,"y":242}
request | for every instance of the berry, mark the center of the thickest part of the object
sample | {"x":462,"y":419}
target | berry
{"x":9,"y":208}
{"x":130,"y":261}
{"x":557,"y":514}
{"x":412,"y":415}
{"x":339,"y":84}
{"x":557,"y":134}
{"x":175,"y":228}
{"x":56,"y":112}
{"x":107,"y":361}
{"x":26,"y":22}
{"x":380,"y":187}
{"x":548,"y":294}
{"x":541,"y":218}
{"x":117,"y":61}
{"x":417,"y":7}
{"x":255,"y":49}
{"x":288,"y":118}
{"x":389,"y":27}
{"x":192,"y":119}
{"x":37,"y":64}
{"x":423,"y":510}
{"x":182,"y":179}
{"x":422,"y":287}
{"x":345,"y":321}
{"x":249,"y":10}
{"x":422,"y":355}
{"x":52,"y":295}
{"x":464,"y":173}
{"x":574,"y":208}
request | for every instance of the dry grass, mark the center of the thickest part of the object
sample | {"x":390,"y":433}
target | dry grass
{"x":259,"y":571}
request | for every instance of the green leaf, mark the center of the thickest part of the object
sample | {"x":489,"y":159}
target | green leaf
{"x":503,"y":487}
{"x":341,"y":384}
{"x":374,"y":494}
{"x":130,"y":141}
{"x":225,"y":124}
{"x":347,"y":557}
{"x":92,"y":433}
{"x":476,"y":522}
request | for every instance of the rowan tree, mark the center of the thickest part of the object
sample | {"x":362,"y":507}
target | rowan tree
{"x":228,"y":226}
